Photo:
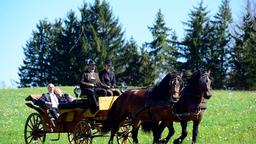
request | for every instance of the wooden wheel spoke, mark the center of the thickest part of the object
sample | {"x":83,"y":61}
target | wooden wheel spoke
{"x":30,"y":137}
{"x":34,"y":120}
{"x":34,"y":129}
{"x":30,"y":140}
{"x":29,"y":126}
{"x":124,"y":135}
{"x":71,"y":137}
{"x":31,"y":123}
{"x":82,"y":132}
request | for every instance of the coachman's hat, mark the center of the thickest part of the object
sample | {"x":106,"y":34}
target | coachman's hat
{"x":91,"y":62}
{"x":107,"y":62}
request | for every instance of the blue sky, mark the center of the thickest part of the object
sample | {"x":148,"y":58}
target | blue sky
{"x":19,"y":18}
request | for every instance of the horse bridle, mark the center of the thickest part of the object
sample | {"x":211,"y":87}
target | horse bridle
{"x":201,"y":90}
{"x":207,"y":86}
{"x":172,"y":85}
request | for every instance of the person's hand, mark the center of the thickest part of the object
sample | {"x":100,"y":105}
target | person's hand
{"x":48,"y":104}
{"x":92,"y":85}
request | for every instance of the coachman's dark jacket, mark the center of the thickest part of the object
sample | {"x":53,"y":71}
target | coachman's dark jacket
{"x":86,"y":80}
{"x":108,"y":78}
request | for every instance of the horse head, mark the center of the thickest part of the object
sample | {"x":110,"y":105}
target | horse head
{"x":206,"y":84}
{"x":172,"y":85}
{"x":202,"y":83}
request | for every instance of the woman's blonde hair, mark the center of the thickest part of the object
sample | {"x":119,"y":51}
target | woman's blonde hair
{"x":57,"y":91}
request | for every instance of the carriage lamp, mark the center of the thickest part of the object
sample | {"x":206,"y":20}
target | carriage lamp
{"x":77,"y":91}
{"x":123,"y":86}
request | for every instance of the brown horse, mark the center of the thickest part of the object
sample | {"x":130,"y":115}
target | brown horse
{"x":135,"y":105}
{"x":190,"y":107}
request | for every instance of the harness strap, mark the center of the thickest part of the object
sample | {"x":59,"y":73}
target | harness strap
{"x":181,"y":116}
{"x":133,"y":115}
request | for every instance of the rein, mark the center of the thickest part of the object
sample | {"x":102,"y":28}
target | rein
{"x":199,"y":104}
{"x":196,"y":113}
{"x":149,"y":100}
{"x":182,"y":115}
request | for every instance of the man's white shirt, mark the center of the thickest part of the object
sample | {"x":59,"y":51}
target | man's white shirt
{"x":54,"y":100}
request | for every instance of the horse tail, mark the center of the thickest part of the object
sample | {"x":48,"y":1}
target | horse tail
{"x":108,"y":123}
{"x":147,"y":126}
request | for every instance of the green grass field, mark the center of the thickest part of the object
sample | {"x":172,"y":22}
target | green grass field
{"x":229,"y":119}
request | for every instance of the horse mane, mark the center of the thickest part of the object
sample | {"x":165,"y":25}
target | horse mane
{"x":191,"y":82}
{"x":194,"y":77}
{"x":160,"y":91}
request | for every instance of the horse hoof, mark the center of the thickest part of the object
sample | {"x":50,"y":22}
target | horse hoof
{"x":177,"y":141}
{"x":163,"y":141}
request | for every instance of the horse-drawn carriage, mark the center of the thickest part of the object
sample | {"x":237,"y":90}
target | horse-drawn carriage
{"x":134,"y":107}
{"x":75,"y":119}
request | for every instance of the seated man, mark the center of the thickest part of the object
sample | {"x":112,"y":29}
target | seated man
{"x":108,"y":77}
{"x":91,"y":86}
{"x":50,"y":101}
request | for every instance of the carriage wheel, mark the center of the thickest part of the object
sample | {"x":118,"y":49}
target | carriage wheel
{"x":34,"y":131}
{"x":124,"y":135}
{"x":71,"y":137}
{"x":83,"y":133}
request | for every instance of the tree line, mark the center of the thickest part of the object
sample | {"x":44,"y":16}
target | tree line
{"x":57,"y":51}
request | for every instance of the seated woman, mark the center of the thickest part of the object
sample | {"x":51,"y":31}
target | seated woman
{"x":52,"y":100}
{"x":66,"y":101}
{"x":63,"y":98}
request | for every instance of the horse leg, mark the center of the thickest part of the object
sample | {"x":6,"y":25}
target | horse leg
{"x":156,"y":133}
{"x":170,"y":133}
{"x":195,"y":131}
{"x":135,"y":130}
{"x":183,"y":134}
{"x":112,"y":135}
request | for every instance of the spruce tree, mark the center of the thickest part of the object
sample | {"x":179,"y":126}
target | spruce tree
{"x":36,"y":68}
{"x":105,"y":34}
{"x":243,"y":53}
{"x":162,"y":53}
{"x":66,"y":57}
{"x":135,"y":67}
{"x":195,"y":40}
{"x":221,"y":39}
{"x":57,"y":39}
{"x":27,"y":72}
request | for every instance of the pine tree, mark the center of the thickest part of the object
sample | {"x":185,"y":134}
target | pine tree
{"x":148,"y":69}
{"x":56,"y":43}
{"x":195,"y":49}
{"x":57,"y":52}
{"x":35,"y":71}
{"x":243,"y":53}
{"x":27,"y":72}
{"x":221,"y":38}
{"x":135,"y":67}
{"x":85,"y":51}
{"x":105,"y":34}
{"x":162,"y":53}
{"x":66,"y":57}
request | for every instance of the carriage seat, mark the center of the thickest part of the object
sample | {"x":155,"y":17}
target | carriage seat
{"x":81,"y":103}
{"x":34,"y":98}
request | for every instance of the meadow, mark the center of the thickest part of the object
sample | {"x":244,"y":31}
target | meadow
{"x":229,"y":119}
